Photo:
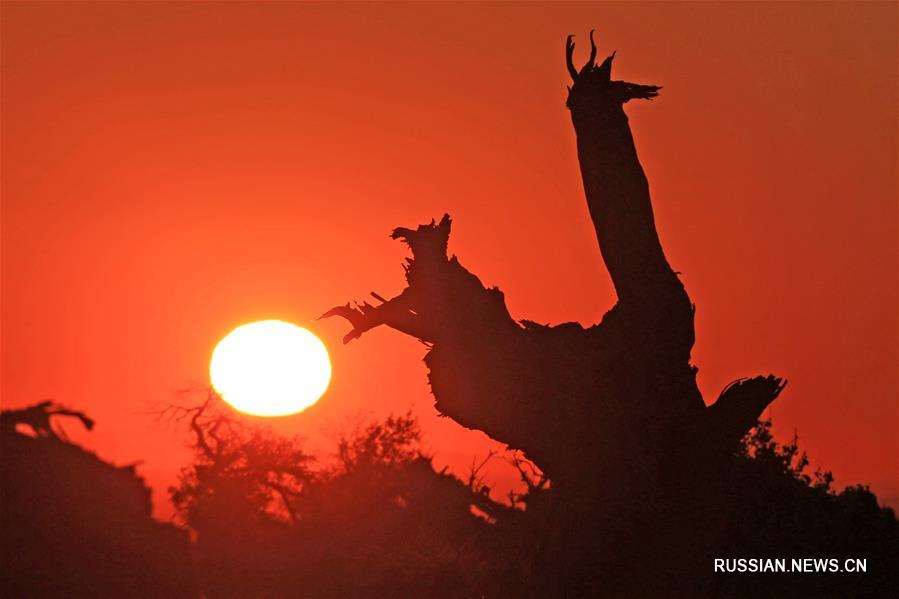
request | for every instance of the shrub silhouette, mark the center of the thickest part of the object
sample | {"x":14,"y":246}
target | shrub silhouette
{"x":382,"y":522}
{"x":782,"y":510}
{"x":74,"y":525}
{"x":379,"y":521}
{"x":269,"y":520}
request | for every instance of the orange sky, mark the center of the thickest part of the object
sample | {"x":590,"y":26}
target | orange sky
{"x":173,"y":170}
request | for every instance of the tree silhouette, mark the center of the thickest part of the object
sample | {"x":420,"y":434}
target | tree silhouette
{"x":785,"y":511}
{"x":611,"y":413}
{"x":237,"y":465}
{"x":74,"y":525}
{"x":378,"y":521}
{"x":38,"y":419}
{"x":635,"y":485}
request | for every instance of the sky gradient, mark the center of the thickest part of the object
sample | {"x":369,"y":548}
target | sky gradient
{"x":173,"y":170}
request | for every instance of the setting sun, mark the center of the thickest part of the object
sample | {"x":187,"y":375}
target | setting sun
{"x":270,"y":368}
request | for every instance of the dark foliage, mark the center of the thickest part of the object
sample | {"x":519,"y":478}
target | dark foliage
{"x":76,"y":526}
{"x":377,"y":520}
{"x":648,"y":484}
{"x":780,"y":510}
{"x":380,"y":521}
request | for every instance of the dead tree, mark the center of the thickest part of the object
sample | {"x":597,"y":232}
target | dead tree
{"x":37,"y":418}
{"x":610,"y":413}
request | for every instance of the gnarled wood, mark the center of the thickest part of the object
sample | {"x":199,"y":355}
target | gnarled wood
{"x":611,"y":413}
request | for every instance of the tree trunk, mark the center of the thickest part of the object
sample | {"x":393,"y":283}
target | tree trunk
{"x":611,"y":413}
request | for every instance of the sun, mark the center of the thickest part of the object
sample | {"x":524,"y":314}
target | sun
{"x":270,"y":368}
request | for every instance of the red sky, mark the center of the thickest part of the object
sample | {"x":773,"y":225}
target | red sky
{"x":170,"y":171}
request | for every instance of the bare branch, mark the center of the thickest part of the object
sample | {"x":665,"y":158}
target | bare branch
{"x":475,"y":480}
